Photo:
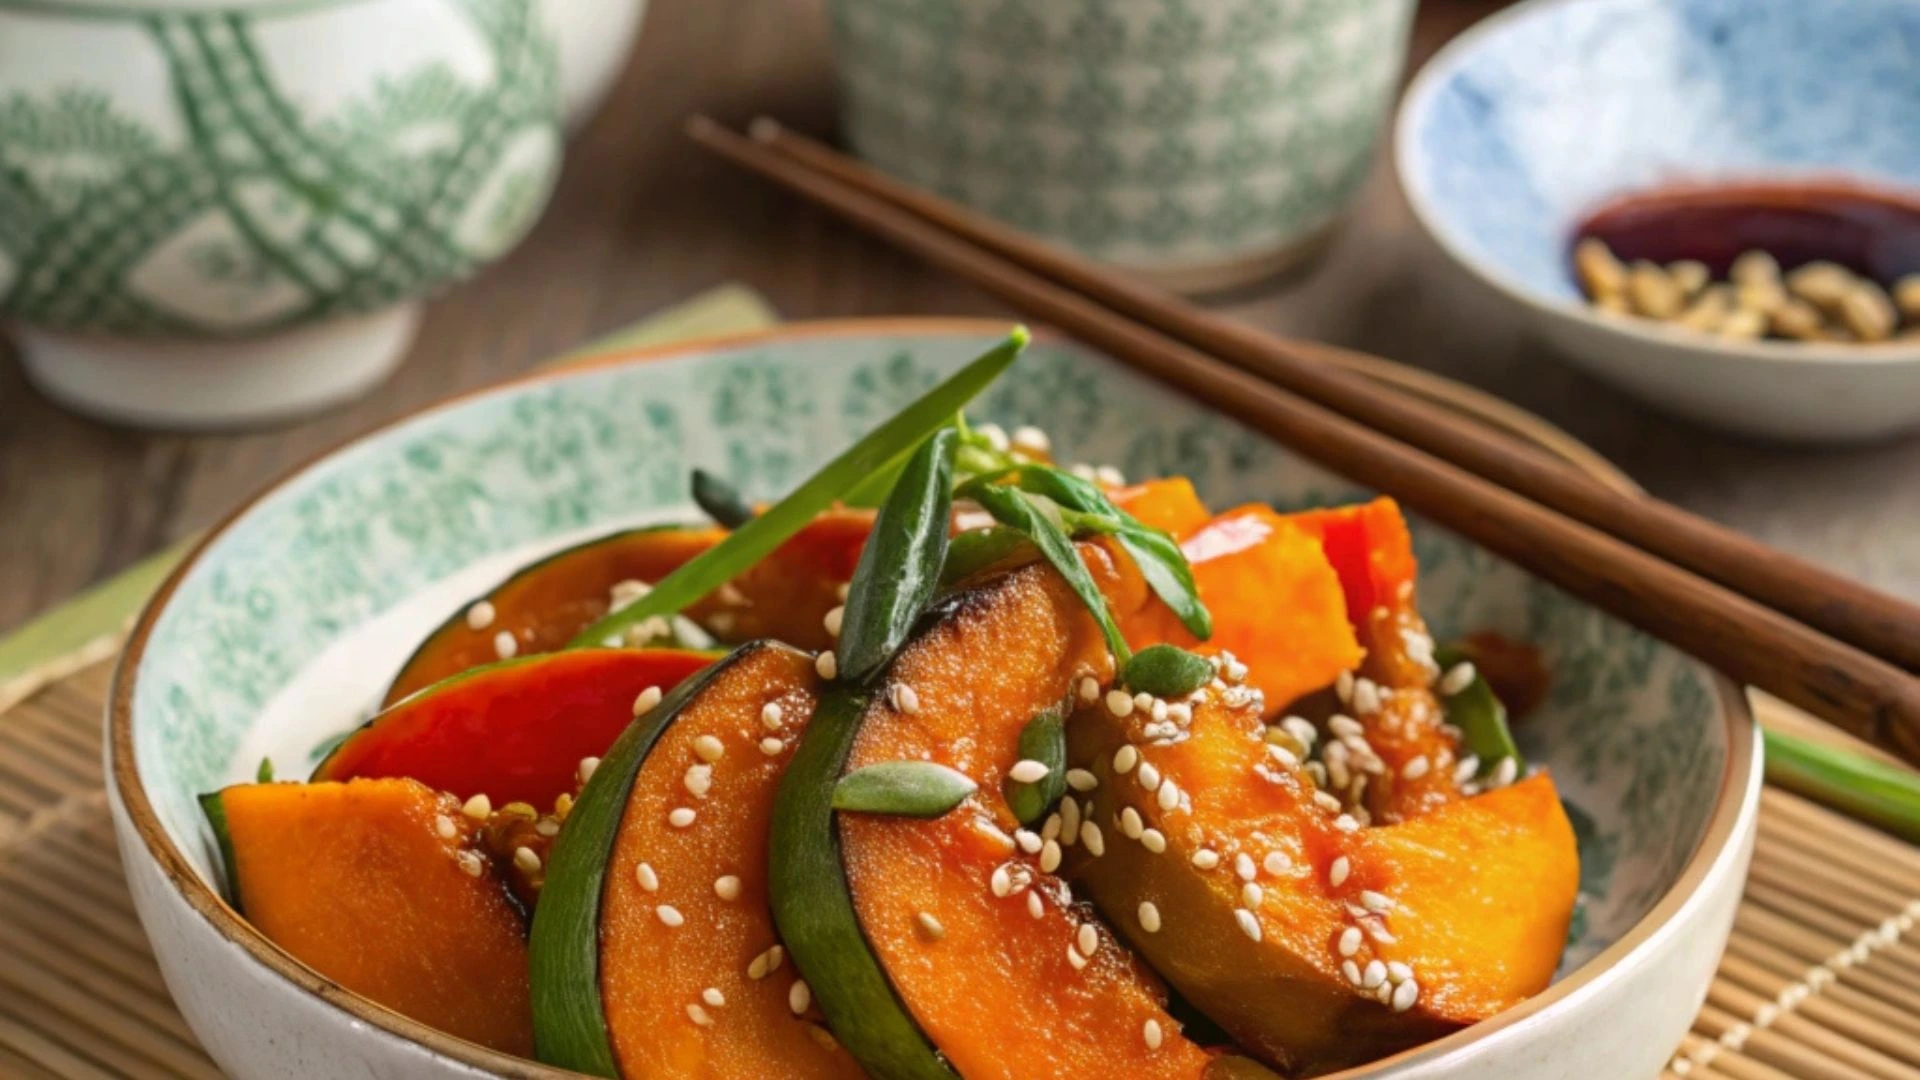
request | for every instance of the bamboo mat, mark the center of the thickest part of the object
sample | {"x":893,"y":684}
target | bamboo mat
{"x":1817,"y":981}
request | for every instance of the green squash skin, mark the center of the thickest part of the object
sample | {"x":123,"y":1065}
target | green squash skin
{"x":569,"y":1017}
{"x":813,"y":904}
{"x":459,"y":616}
{"x":216,"y":812}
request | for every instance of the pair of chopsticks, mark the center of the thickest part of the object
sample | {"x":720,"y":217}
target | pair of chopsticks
{"x":1832,"y":646}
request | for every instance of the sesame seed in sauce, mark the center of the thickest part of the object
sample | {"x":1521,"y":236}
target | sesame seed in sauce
{"x":1243,"y":867}
{"x":505,"y":645}
{"x":1373,"y":974}
{"x":1327,"y":801}
{"x":1168,"y":796}
{"x":1034,"y":907}
{"x":1376,"y":902}
{"x":903,"y":698}
{"x":547,"y":827}
{"x":1090,"y":836}
{"x":1343,"y":686}
{"x":1087,"y":939}
{"x":1351,"y":969}
{"x":1180,"y":713}
{"x":1074,"y":958}
{"x":799,"y":996}
{"x":1149,"y":917}
{"x":526,"y":859}
{"x":771,"y":746}
{"x":1119,"y":703}
{"x":1377,"y":930}
{"x":648,"y":879}
{"x":1405,"y":995}
{"x":444,"y":827}
{"x":699,"y":1015}
{"x":1028,"y":840}
{"x":681,"y":817}
{"x":699,"y":780}
{"x":1398,"y":971}
{"x":1069,"y":822}
{"x":1050,"y":856}
{"x":1349,"y":941}
{"x":469,"y":862}
{"x":646,"y":700}
{"x":1151,"y":1032}
{"x":1251,"y":896}
{"x":1148,"y":776}
{"x":1366,"y":696}
{"x":1504,"y":773}
{"x":1277,"y":863}
{"x":757,"y":967}
{"x":1338,"y":870}
{"x":1089,"y":689}
{"x":1001,"y":882}
{"x":834,"y":619}
{"x":826,"y":665}
{"x":1346,"y":823}
{"x":480,"y":615}
{"x":586,"y":768}
{"x":1125,"y":758}
{"x":726,"y":887}
{"x":1205,"y":858}
{"x":929,"y":926}
{"x":1031,"y":440}
{"x":770,"y":716}
{"x":1416,"y":767}
{"x":1283,"y":755}
{"x":1458,"y":678}
{"x":1158,"y":711}
{"x":1465,"y":771}
{"x":1110,"y":476}
{"x":669,"y":915}
{"x":478,"y":808}
{"x":1050,"y":828}
{"x":1028,"y":771}
{"x":1153,"y":840}
{"x":1082,"y":780}
{"x":1249,"y":925}
{"x":709,"y":748}
{"x":846,"y":587}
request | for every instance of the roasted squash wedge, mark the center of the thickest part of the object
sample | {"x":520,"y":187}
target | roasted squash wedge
{"x":542,"y":607}
{"x":379,"y":886}
{"x":654,"y":952}
{"x":516,"y":730}
{"x":1169,"y":504}
{"x":986,"y":951}
{"x":1316,"y":942}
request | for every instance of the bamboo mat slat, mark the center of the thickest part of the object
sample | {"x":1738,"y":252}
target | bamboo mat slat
{"x":1821,"y":980}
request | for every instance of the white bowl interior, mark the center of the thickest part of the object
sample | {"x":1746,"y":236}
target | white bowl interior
{"x":294,"y":618}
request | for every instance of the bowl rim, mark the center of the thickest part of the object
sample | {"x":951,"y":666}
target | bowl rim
{"x":1456,"y":55}
{"x":1716,"y":842}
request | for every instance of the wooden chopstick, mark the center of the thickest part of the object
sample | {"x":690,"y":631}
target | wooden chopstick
{"x":1860,"y":693}
{"x":1835,"y":605}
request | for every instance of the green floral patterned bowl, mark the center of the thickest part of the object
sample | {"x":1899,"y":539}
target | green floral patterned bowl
{"x":225,"y":211}
{"x":288,"y":621}
{"x":1201,"y":143}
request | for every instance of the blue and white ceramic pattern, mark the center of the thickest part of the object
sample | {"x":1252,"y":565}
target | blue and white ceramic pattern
{"x":289,"y":623}
{"x":1528,"y":121}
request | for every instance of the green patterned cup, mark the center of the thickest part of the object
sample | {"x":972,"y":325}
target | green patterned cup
{"x":1203,"y":143}
{"x":225,"y":212}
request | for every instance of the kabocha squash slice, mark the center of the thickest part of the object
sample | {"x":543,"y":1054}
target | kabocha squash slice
{"x":946,"y":933}
{"x":784,"y":597}
{"x":1316,"y":942}
{"x":378,"y":885}
{"x":515,"y":730}
{"x":670,"y":970}
{"x":1169,"y":504}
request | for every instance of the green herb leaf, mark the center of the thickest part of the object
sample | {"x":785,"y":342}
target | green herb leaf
{"x":1479,"y":715}
{"x":899,"y":567}
{"x":977,"y":549}
{"x":757,"y":538}
{"x":264,"y":774}
{"x":1167,"y":671}
{"x":1161,"y":562}
{"x":1044,"y":740}
{"x":1871,"y":790}
{"x":1018,"y":510}
{"x":916,"y":789}
{"x":721,"y":500}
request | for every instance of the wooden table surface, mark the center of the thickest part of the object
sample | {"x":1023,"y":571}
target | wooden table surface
{"x":642,"y":219}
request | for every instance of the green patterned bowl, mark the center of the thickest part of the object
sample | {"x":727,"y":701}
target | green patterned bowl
{"x":288,"y":621}
{"x":225,"y":211}
{"x":1200,"y":143}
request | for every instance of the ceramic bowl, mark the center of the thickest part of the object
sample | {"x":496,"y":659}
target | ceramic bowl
{"x":285,"y":625}
{"x":1200,"y":144}
{"x":226,"y":212}
{"x":594,"y":39}
{"x":1527,"y":121}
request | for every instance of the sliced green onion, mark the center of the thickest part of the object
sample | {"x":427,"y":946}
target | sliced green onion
{"x":899,"y":567}
{"x":1873,"y":791}
{"x":721,"y":500}
{"x":1019,"y":510}
{"x":1479,"y":714}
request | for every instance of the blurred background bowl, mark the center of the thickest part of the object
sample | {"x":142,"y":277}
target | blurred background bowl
{"x":1528,"y":121}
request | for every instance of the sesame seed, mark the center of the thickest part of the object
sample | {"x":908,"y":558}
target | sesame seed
{"x":1089,"y":689}
{"x":1383,"y":993}
{"x":826,"y":665}
{"x":1069,"y":822}
{"x":1377,"y":930}
{"x":1249,"y":925}
{"x":1338,"y":870}
{"x":1180,"y":713}
{"x":480,"y":615}
{"x":1090,"y":836}
{"x":1158,"y":711}
{"x":1034,"y":907}
{"x":1378,"y":903}
{"x":1465,"y":771}
{"x":547,"y":827}
{"x":444,"y":827}
{"x":1398,"y":971}
{"x":1109,"y":476}
{"x":709,"y":748}
{"x":1151,"y":1032}
{"x":1074,"y":958}
{"x":929,"y":925}
{"x":1243,"y":867}
{"x":770,"y":715}
{"x":562,"y":806}
{"x":1327,"y":801}
{"x":1205,"y":858}
{"x":1504,"y":773}
{"x":669,"y":915}
{"x":1283,"y":755}
{"x":1130,"y":824}
{"x":903,"y":698}
{"x":1031,"y":439}
{"x":1149,"y":917}
{"x":699,"y":780}
{"x":834,"y":619}
{"x":646,"y":700}
{"x":757,"y":967}
{"x":469,"y":862}
{"x":1458,"y":678}
{"x":649,"y":880}
{"x":994,"y":435}
{"x":1346,"y":823}
{"x":1351,"y":969}
{"x":1028,"y":771}
{"x":1119,"y":703}
{"x":1405,"y":995}
{"x":799,"y":996}
{"x":1168,"y":796}
{"x":1028,"y":840}
{"x":1373,"y":974}
{"x":1087,"y":939}
{"x":1277,"y":863}
{"x":1346,"y":727}
{"x":845,"y":588}
{"x":771,"y":746}
{"x":681,"y":817}
{"x":1154,"y":840}
{"x":1349,"y":941}
{"x":586,"y":768}
{"x":1143,"y":701}
{"x":1251,"y":896}
{"x":699,"y":1015}
{"x":1234,"y":670}
{"x":505,"y":645}
{"x":1050,"y":856}
{"x":1082,"y":780}
{"x":1050,"y":828}
{"x":527,"y":859}
{"x":1416,"y":767}
{"x":1001,"y":882}
{"x":478,"y":808}
{"x":726,"y":887}
{"x":1148,"y":776}
{"x":1302,"y":731}
{"x":1366,"y":696}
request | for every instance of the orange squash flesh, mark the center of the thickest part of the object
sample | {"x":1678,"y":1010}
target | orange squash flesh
{"x":1276,"y":603}
{"x":1481,"y":891}
{"x":1169,"y":504}
{"x":994,"y":988}
{"x":651,"y":973}
{"x":784,"y":597}
{"x":357,"y":881}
